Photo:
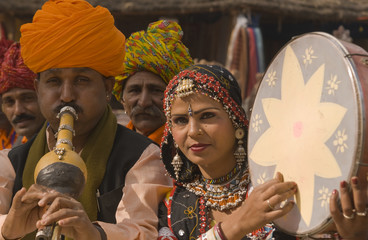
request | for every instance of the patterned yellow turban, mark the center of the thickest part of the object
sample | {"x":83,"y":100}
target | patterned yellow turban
{"x":72,"y":33}
{"x":158,"y":50}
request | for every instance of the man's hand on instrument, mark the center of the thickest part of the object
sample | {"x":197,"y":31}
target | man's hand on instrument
{"x":70,"y":216}
{"x":352,"y":221}
{"x":24,"y":212}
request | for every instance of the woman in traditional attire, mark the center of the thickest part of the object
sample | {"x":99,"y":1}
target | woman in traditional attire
{"x":203,"y":149}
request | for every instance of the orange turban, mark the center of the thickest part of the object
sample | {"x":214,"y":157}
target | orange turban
{"x":72,"y":33}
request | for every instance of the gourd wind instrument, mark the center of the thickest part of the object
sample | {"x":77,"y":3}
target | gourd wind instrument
{"x":61,"y":169}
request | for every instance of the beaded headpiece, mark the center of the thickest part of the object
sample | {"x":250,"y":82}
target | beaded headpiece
{"x":210,"y":80}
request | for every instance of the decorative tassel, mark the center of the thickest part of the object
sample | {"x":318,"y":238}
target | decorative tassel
{"x":240,"y":153}
{"x":177,"y":163}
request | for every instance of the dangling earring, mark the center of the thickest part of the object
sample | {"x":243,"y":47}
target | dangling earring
{"x":240,"y":151}
{"x":177,"y":163}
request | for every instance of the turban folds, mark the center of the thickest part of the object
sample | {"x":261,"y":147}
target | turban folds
{"x":158,"y":50}
{"x":4,"y":45}
{"x":13,"y":72}
{"x":71,"y":34}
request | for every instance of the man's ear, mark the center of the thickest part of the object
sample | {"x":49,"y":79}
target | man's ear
{"x":35,"y":84}
{"x":109,"y":84}
{"x":123,"y":102}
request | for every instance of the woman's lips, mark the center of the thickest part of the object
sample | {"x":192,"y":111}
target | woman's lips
{"x":198,"y":147}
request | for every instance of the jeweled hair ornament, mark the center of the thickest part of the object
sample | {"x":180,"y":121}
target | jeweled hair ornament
{"x":185,"y":87}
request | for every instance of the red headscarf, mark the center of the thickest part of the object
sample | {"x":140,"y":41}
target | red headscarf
{"x":4,"y":45}
{"x":13,"y":72}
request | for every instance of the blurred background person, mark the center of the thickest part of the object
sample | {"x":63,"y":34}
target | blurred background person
{"x":18,"y":97}
{"x":7,"y":134}
{"x":152,"y":58}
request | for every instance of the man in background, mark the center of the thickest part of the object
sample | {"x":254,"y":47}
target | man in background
{"x":18,"y":97}
{"x":152,"y":58}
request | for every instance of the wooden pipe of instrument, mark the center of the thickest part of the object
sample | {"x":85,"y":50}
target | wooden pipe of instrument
{"x":61,"y":169}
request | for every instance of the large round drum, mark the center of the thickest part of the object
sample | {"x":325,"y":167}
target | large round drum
{"x":308,"y":122}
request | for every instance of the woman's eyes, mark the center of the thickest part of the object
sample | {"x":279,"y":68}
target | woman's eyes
{"x":180,"y":120}
{"x":184,"y":120}
{"x":207,"y":115}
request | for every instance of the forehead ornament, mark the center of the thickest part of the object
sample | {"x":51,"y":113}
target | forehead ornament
{"x":190,"y":111}
{"x":185,"y":87}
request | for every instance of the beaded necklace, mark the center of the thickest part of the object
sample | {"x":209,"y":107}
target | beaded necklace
{"x":224,"y":179}
{"x":223,"y":193}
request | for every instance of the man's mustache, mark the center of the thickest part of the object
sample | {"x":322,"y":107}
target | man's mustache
{"x":152,"y":111}
{"x":22,"y":117}
{"x":76,"y":107}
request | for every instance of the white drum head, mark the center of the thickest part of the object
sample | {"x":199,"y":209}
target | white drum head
{"x":307,"y":123}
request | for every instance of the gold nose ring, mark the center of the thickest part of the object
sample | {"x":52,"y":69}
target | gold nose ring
{"x":200,"y":132}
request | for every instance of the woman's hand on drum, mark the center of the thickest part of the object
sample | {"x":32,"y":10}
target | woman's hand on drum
{"x":265,"y":203}
{"x":352,"y":220}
